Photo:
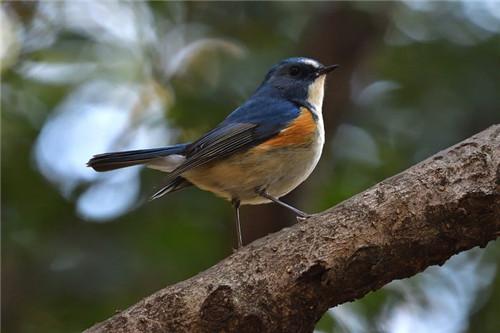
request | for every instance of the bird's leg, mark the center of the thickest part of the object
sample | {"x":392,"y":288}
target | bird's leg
{"x":300,"y":214}
{"x":236,"y":205}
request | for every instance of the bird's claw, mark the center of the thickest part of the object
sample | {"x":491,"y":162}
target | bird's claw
{"x":302,"y":218}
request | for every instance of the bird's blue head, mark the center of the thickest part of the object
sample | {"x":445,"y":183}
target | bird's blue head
{"x":297,"y":79}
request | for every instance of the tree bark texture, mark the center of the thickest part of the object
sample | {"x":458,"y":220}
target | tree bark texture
{"x":285,"y":281}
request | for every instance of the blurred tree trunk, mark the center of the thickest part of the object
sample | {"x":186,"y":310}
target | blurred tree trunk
{"x":284,"y":282}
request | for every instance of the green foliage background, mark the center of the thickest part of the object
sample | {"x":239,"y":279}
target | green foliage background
{"x":415,"y":78}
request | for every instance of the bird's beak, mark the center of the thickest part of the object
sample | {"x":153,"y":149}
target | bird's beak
{"x":326,"y":69}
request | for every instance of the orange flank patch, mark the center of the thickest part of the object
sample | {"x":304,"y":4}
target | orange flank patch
{"x":300,"y":131}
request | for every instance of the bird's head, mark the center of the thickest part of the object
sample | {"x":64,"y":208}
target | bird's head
{"x":301,"y":79}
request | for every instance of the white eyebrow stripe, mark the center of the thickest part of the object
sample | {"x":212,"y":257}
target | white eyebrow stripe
{"x":310,"y":62}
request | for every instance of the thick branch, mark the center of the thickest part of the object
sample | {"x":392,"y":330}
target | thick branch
{"x":284,"y":282}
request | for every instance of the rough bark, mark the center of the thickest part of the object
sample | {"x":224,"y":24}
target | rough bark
{"x":284,"y":282}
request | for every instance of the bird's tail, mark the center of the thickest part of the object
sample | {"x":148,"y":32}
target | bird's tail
{"x":123,"y":159}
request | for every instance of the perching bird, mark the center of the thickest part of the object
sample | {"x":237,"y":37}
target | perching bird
{"x":260,"y":152}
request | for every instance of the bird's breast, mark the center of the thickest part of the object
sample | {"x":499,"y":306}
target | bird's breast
{"x":279,"y":164}
{"x":301,"y":131}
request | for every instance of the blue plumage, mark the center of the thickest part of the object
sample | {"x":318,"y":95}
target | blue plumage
{"x":233,"y":160}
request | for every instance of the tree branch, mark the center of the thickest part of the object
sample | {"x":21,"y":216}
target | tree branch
{"x":284,"y":282}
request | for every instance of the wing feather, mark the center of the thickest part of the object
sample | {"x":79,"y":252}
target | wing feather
{"x":249,"y":125}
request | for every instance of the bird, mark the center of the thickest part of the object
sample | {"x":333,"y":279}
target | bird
{"x":260,"y":152}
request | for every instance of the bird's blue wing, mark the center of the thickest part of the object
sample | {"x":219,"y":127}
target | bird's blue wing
{"x":254,"y":122}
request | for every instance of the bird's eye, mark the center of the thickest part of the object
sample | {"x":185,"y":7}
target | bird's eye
{"x":294,"y":70}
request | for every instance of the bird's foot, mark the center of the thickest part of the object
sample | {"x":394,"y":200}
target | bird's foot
{"x":304,"y":217}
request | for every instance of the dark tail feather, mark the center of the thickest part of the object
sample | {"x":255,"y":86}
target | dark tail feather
{"x":117,"y":160}
{"x":175,"y":185}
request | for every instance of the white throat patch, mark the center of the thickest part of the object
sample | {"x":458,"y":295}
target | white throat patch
{"x":315,"y":93}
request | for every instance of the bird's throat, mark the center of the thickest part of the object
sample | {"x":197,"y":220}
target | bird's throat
{"x":315,"y":93}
